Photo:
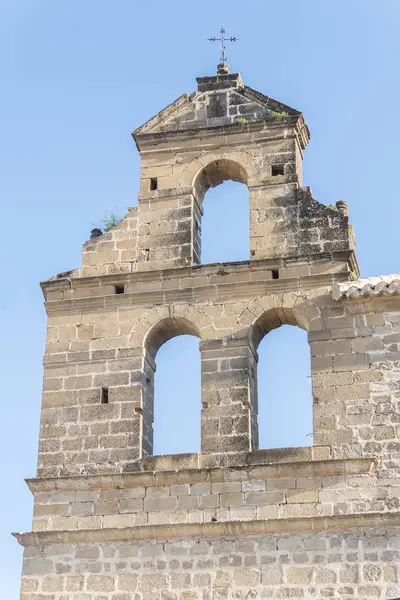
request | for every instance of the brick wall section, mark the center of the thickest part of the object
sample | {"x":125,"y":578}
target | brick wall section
{"x":354,"y":361}
{"x":116,"y":251}
{"x":355,"y":383}
{"x":288,"y":490}
{"x":356,"y":564}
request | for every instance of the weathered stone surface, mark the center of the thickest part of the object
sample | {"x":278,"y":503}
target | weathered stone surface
{"x":113,"y":522}
{"x":197,"y":567}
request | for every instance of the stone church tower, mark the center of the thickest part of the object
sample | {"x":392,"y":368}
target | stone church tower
{"x":112,"y":521}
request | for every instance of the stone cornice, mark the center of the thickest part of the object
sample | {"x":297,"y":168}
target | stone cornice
{"x":228,"y":292}
{"x":177,"y":140}
{"x":233,"y":528}
{"x":221,"y":280}
{"x":310,"y":468}
{"x":67,"y":281}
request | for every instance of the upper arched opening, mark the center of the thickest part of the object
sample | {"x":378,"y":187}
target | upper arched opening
{"x":217,"y":172}
{"x":165,"y":330}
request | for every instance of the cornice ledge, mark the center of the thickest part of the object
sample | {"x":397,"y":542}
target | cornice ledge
{"x":199,"y":269}
{"x":241,"y":289}
{"x":147,"y":139}
{"x":153,"y":478}
{"x":233,"y":528}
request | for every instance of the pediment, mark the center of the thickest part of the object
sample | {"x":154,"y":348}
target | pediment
{"x":217,"y":102}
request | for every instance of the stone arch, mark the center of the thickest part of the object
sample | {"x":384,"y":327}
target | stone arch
{"x":270,"y":313}
{"x":187,"y":316}
{"x":165,"y":330}
{"x":210,"y":170}
{"x":160,"y":333}
{"x":216,"y":172}
{"x":158,"y":325}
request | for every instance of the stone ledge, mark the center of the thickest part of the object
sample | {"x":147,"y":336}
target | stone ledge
{"x":178,"y":139}
{"x":197,"y":270}
{"x":309,"y":468}
{"x":236,"y":528}
{"x":196,"y":293}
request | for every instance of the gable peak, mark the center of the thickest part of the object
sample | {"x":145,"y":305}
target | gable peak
{"x":220,"y":100}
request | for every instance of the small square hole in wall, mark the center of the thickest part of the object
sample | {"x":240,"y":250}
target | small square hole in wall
{"x":277,"y":170}
{"x":120,"y":289}
{"x":153,"y":184}
{"x":275,"y":273}
{"x":104,"y":395}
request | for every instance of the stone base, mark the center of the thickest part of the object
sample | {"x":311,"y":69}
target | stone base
{"x":362,"y":563}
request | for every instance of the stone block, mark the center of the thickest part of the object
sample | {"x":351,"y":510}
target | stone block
{"x":246,"y":577}
{"x":299,"y":575}
{"x":100,"y":583}
{"x":301,"y":496}
{"x":271,"y":575}
{"x":269,"y":497}
{"x":157,"y":504}
{"x":128,"y":582}
{"x":234,"y":499}
{"x":133,"y":505}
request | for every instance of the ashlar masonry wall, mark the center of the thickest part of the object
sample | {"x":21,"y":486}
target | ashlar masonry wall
{"x":360,"y":564}
{"x":113,"y":522}
{"x":354,"y":363}
{"x":316,"y":522}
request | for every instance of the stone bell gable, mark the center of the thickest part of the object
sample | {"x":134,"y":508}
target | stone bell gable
{"x":224,"y":130}
{"x":235,"y":521}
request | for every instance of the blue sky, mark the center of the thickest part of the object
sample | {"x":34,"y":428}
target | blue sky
{"x":77,"y":77}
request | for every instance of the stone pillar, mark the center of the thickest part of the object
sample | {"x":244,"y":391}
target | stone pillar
{"x":229,"y":396}
{"x":272,"y":209}
{"x":166,"y":229}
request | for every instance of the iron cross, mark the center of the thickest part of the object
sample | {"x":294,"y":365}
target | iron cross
{"x":223,"y":39}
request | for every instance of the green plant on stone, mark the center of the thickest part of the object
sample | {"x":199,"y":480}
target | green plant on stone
{"x":279,"y":116}
{"x":241,"y":121}
{"x":276,"y":116}
{"x":333,"y":207}
{"x":110,"y":219}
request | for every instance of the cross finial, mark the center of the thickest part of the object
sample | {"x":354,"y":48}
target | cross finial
{"x":222,"y":39}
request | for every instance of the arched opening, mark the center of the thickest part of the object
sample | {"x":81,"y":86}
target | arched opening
{"x":177,"y":397}
{"x":285,"y":406}
{"x":222,"y":222}
{"x":172,"y":399}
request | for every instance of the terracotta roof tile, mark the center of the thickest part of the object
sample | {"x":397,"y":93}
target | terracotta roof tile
{"x":384,"y":285}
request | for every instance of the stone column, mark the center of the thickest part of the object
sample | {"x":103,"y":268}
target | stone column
{"x":229,"y":396}
{"x":136,"y":404}
{"x":167,"y":237}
